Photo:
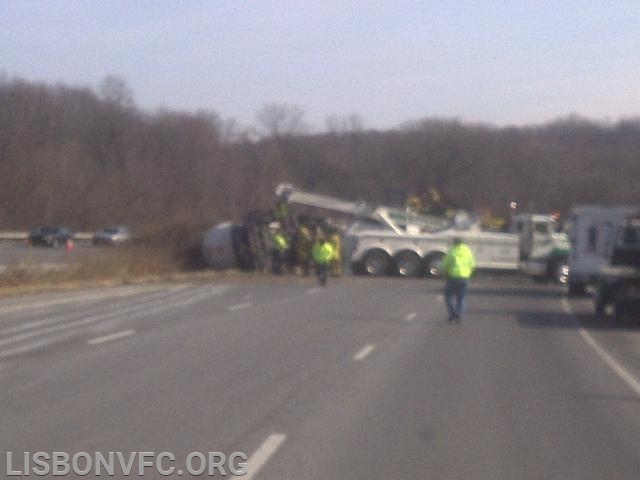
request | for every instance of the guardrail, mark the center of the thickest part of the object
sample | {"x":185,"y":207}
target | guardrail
{"x":22,"y":236}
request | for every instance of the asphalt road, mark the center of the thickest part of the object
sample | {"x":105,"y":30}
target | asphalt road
{"x":364,"y":379}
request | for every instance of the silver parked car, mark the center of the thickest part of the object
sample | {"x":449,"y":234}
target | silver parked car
{"x":112,"y":236}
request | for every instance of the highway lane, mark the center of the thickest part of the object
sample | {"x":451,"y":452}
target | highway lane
{"x":363,"y":379}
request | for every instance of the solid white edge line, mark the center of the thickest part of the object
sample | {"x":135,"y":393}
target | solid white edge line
{"x":136,"y":311}
{"x":618,"y":369}
{"x":262,"y":455}
{"x":240,"y":306}
{"x":37,"y":345}
{"x":110,"y":338}
{"x":79,"y":298}
{"x":363,"y":352}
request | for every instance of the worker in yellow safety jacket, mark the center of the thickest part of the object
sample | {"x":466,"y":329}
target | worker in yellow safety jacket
{"x":279,"y":249}
{"x":303,"y":245}
{"x":457,"y":267}
{"x":322,"y":253}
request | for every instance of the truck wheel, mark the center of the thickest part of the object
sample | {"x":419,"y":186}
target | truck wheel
{"x":377,"y":263}
{"x":408,"y":264}
{"x":559,"y":272}
{"x":433,"y":264}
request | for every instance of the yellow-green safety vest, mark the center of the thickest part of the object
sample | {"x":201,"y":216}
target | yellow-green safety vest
{"x":322,"y":253}
{"x":459,"y":262}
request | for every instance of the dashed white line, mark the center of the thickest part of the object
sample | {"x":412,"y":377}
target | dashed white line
{"x":111,"y":338}
{"x":364,"y":352}
{"x":313,"y":291}
{"x":410,"y":317}
{"x":240,"y":306}
{"x":262,"y":455}
{"x":618,"y":369}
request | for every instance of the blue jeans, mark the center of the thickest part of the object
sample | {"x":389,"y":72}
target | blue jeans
{"x":454,"y":293}
{"x":321,"y":272}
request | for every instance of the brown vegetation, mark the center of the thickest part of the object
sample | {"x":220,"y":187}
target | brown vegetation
{"x":90,"y":159}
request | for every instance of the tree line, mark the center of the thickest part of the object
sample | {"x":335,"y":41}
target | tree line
{"x":90,"y":158}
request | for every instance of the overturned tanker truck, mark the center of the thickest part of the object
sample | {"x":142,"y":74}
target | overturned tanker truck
{"x":378,"y":240}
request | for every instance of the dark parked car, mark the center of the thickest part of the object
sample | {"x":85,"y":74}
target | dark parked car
{"x":111,"y":236}
{"x":50,"y":236}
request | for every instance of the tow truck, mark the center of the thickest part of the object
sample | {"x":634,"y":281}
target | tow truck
{"x":382,"y":240}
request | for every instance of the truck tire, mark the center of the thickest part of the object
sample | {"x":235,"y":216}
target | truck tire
{"x":408,"y":264}
{"x":433,"y":263}
{"x":376,"y":263}
{"x":558,"y":271}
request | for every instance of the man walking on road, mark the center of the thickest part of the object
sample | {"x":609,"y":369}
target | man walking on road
{"x":279,"y":249}
{"x":457,"y":267}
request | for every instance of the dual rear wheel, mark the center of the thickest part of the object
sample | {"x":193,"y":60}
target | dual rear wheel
{"x":405,"y":264}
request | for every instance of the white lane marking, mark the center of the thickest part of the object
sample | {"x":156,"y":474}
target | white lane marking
{"x":313,"y":291}
{"x":80,"y":298}
{"x":161,"y":295}
{"x":240,"y":306}
{"x":111,"y":338}
{"x":130,"y":313}
{"x":248,"y":296}
{"x":37,"y":345}
{"x":618,"y":369}
{"x":262,"y":455}
{"x":364,"y":351}
{"x":410,"y":317}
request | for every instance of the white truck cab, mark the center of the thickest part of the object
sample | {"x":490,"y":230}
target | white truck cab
{"x":544,"y":246}
{"x":593,"y":235}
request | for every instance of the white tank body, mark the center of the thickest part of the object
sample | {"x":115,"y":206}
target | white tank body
{"x":217,"y":246}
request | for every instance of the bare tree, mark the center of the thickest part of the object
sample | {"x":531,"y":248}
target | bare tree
{"x":277,"y":120}
{"x":344,"y":124}
{"x":114,"y":89}
{"x":91,"y":157}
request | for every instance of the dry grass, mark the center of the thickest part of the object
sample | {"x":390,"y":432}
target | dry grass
{"x":121,"y":264}
{"x":159,"y":251}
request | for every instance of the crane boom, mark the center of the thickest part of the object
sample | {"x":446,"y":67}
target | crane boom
{"x":398,"y":220}
{"x":289,"y":194}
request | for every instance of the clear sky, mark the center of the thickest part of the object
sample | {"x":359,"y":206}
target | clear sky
{"x":501,"y":62}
